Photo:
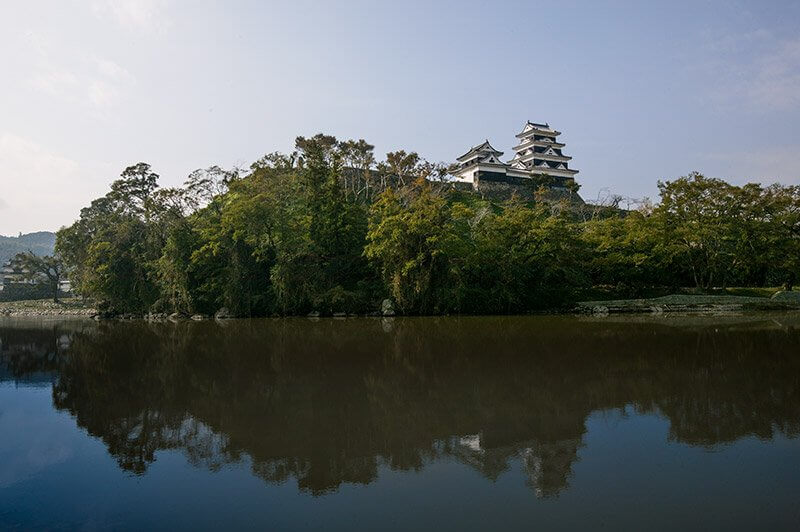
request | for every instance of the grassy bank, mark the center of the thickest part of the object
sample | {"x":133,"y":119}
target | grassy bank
{"x":46,"y":307}
{"x":730,"y":300}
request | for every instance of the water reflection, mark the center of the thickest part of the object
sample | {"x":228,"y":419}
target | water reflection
{"x":329,"y":402}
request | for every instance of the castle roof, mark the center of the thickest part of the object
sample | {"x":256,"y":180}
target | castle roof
{"x":531,"y":126}
{"x":483,"y":148}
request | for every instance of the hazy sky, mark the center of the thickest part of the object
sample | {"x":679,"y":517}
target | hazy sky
{"x":640,"y":91}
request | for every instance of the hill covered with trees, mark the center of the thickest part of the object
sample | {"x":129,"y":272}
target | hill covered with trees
{"x":40,"y":243}
{"x":328,"y":229}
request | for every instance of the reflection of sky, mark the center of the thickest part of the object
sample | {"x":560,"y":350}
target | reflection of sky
{"x":32,"y":433}
{"x":628,"y":472}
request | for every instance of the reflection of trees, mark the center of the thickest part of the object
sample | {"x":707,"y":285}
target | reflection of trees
{"x":329,"y":402}
{"x":31,"y":352}
{"x":549,"y":465}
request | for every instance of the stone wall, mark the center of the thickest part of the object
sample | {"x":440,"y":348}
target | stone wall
{"x":489,"y":185}
{"x":500,"y":187}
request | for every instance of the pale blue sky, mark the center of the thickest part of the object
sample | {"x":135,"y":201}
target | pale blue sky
{"x":641,"y":90}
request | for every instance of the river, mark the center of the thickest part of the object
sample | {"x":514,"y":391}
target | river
{"x":471,"y":423}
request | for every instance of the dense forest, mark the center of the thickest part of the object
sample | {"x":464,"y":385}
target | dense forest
{"x":328,"y":229}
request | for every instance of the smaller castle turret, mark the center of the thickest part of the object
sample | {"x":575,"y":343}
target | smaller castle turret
{"x":480,"y":157}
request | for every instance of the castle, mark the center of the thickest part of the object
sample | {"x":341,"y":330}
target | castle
{"x":537,"y":154}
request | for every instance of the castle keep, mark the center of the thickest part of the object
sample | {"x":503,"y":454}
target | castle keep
{"x":538,"y":154}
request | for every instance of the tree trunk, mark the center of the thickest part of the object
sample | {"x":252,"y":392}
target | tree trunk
{"x":710,"y":280}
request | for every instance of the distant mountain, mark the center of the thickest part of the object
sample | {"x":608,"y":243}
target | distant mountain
{"x":41,"y":243}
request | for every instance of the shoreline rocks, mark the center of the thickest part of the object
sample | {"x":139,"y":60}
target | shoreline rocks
{"x":789,"y":297}
{"x":387,"y":307}
{"x":223,"y":314}
{"x":690,"y":304}
{"x":676,"y":303}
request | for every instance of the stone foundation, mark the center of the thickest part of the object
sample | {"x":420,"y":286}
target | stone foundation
{"x":501,"y":187}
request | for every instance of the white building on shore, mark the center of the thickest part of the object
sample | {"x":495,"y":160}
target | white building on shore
{"x":537,"y":153}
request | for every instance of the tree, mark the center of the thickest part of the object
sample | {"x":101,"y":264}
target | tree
{"x":48,"y":268}
{"x":524,"y":258}
{"x":783,"y":234}
{"x":203,"y":185}
{"x":113,"y":247}
{"x":624,"y":251}
{"x":358,"y":158}
{"x":405,"y":242}
{"x":320,"y":148}
{"x":132,"y":191}
{"x":319,"y":257}
{"x":401,"y":165}
{"x":696,"y":218}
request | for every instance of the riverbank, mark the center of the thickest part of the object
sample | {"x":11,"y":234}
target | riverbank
{"x":47,"y":307}
{"x":674,"y":303}
{"x":692,"y":303}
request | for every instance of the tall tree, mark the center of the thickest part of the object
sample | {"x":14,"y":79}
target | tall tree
{"x":695,"y":217}
{"x":406,"y":242}
{"x":401,"y":165}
